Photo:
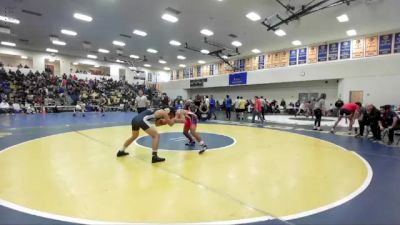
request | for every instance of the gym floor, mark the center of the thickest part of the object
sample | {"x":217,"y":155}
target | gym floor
{"x":59,"y":169}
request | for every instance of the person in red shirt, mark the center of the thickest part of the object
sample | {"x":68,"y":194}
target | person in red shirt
{"x":257,"y":111}
{"x":350,"y":111}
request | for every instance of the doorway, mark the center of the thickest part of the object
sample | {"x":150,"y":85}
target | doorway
{"x":356,"y":96}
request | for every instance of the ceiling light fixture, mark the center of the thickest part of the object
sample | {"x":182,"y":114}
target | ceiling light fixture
{"x":6,"y":43}
{"x":75,"y":63}
{"x":205,"y":51}
{"x":119,"y":43}
{"x":253,"y":16}
{"x":162,"y":61}
{"x":147,"y":65}
{"x":225,"y":57}
{"x":83,"y":17}
{"x":182,"y":65}
{"x":150,"y":50}
{"x":201,"y":62}
{"x":207,"y":32}
{"x":170,"y":18}
{"x":92,"y":56}
{"x":280,"y":33}
{"x":134,"y":56}
{"x":343,"y":18}
{"x":51,"y":50}
{"x":9,"y":20}
{"x":140,"y":33}
{"x":167,"y":68}
{"x":58,"y":42}
{"x":119,"y":61}
{"x":68,"y":32}
{"x":351,"y":32}
{"x":236,"y":43}
{"x":175,"y":43}
{"x":132,"y":68}
{"x":256,"y":51}
{"x":102,"y":50}
{"x":24,"y":57}
{"x":296,"y":42}
{"x":181,"y":57}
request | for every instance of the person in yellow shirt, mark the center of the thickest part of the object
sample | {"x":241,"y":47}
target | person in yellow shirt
{"x":242,"y":108}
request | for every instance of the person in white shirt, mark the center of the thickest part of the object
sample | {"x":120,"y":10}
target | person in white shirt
{"x":141,"y":102}
{"x":207,"y":101}
{"x":16,"y":107}
{"x":4,"y":106}
{"x":236,"y":105}
{"x":80,"y":107}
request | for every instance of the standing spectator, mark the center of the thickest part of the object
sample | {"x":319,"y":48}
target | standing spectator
{"x":236,"y":106}
{"x":319,"y":108}
{"x":263,"y":106}
{"x":257,"y":109}
{"x":213,"y":107}
{"x":389,"y":122}
{"x":165,"y":101}
{"x":242,"y":107}
{"x":283,"y":104}
{"x":156,"y":101}
{"x":141,"y":102}
{"x":228,"y":107}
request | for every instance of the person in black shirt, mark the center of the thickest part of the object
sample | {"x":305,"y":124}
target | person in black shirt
{"x":389,"y":122}
{"x":370,"y":117}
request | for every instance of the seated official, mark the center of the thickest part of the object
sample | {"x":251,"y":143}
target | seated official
{"x":389,"y":122}
{"x":370,"y":116}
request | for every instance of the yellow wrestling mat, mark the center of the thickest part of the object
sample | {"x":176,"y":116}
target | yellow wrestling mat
{"x":265,"y":173}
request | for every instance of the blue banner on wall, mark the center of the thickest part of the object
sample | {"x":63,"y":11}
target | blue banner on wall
{"x":293,"y":57}
{"x":333,"y":51}
{"x":345,"y":51}
{"x":396,"y":47}
{"x":322,"y":53}
{"x":238,"y":78}
{"x":385,"y":44}
{"x":302,"y":55}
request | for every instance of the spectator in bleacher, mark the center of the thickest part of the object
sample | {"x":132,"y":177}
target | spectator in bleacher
{"x":283,"y":104}
{"x":16,"y":107}
{"x":389,"y":122}
{"x":141,"y":102}
{"x":4,"y":107}
{"x":165,"y":101}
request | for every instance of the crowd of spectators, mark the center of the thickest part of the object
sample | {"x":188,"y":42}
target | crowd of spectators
{"x":30,"y":92}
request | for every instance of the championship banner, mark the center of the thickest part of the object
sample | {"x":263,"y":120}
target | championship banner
{"x":358,"y":48}
{"x":276,"y":59}
{"x":396,"y":47}
{"x":255,"y":62}
{"x":248,"y":64}
{"x":313,"y":54}
{"x":345,"y":49}
{"x":302,"y":56}
{"x":322,"y":53}
{"x":333,"y":51}
{"x":238,"y":78}
{"x":284,"y":59}
{"x":385,"y":44}
{"x":293,"y":57}
{"x":270,"y":58}
{"x":261,"y":62}
{"x":371,"y":46}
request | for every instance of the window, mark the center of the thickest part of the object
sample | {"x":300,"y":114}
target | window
{"x":198,"y":71}
{"x":212,"y":69}
{"x":240,"y":64}
{"x":191,"y":72}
